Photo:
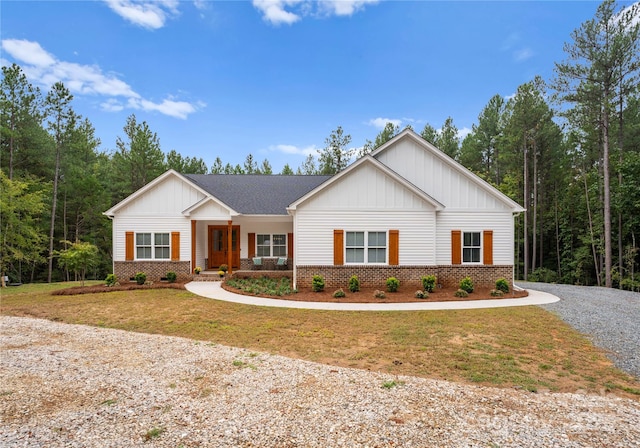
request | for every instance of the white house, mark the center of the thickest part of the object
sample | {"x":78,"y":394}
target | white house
{"x":405,"y":210}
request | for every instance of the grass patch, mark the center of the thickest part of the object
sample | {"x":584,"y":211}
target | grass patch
{"x":524,"y":347}
{"x":153,"y":433}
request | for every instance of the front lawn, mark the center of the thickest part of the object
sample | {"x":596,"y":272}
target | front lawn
{"x":522,"y":347}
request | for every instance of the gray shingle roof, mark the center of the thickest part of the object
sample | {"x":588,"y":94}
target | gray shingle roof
{"x":255,"y":194}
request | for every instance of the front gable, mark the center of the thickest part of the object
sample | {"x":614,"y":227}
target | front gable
{"x":434,"y":172}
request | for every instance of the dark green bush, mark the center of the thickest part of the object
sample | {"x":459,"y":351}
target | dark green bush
{"x":466,"y":284}
{"x":141,"y":278}
{"x":354,"y":284}
{"x":172,"y":277}
{"x":317,"y":284}
{"x":429,"y":283}
{"x":392,"y":284}
{"x":339,"y":293}
{"x":502,"y":285}
{"x":110,"y":280}
{"x":543,"y":275}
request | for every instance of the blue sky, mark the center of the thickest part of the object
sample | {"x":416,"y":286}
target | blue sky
{"x":274,"y":78}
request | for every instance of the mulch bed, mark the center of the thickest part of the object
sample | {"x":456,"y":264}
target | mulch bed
{"x":366,"y":295}
{"x":104,"y":288}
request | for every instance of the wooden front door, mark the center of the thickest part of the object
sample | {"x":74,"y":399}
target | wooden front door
{"x":218,"y":250}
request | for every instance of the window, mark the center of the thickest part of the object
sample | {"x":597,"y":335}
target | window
{"x":471,"y":247}
{"x":160,"y":249}
{"x":375,"y":247}
{"x":271,"y":245}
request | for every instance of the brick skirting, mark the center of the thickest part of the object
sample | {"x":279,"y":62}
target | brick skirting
{"x":376,"y":276}
{"x":155,"y":270}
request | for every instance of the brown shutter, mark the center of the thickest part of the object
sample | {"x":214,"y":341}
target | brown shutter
{"x":175,"y":246}
{"x":252,"y":245}
{"x":290,"y":245}
{"x":394,"y":256}
{"x":128,"y":246}
{"x":456,"y":247}
{"x":338,"y":247}
{"x":487,"y":247}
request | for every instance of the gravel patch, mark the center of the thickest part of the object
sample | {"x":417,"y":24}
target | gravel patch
{"x":78,"y":386}
{"x":611,"y":318}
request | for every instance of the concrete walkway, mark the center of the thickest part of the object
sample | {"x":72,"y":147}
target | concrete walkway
{"x":213,"y":290}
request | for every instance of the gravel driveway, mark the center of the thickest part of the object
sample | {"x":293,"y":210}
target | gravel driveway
{"x":610,"y":316}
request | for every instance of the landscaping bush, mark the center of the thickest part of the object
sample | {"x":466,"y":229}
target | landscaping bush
{"x":419,"y":294}
{"x":172,"y":277}
{"x":461,"y":293}
{"x":502,"y":285}
{"x":354,"y":284}
{"x":466,"y":284}
{"x":379,"y":294}
{"x":224,"y":268}
{"x":141,"y":278}
{"x":392,"y":284}
{"x":110,"y":280}
{"x":429,"y":283}
{"x":339,"y":293}
{"x":317,"y":284}
{"x":496,"y":293}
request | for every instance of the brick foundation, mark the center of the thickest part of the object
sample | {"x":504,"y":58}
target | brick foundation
{"x":376,"y":276}
{"x":155,"y":270}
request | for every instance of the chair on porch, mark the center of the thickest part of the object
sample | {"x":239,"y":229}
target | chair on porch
{"x":257,"y":263}
{"x":281,"y":264}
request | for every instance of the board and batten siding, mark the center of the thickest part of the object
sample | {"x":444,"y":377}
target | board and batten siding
{"x":123,"y":224}
{"x":500,"y":223}
{"x":314,"y":233}
{"x":169,"y":198}
{"x":439,"y":179}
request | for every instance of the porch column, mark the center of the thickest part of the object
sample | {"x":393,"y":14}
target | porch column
{"x":230,"y":246}
{"x":193,"y":246}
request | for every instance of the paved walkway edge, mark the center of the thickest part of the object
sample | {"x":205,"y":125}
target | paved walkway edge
{"x":213,"y":290}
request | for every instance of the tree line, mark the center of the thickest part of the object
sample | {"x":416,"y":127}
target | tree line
{"x":567,"y":149}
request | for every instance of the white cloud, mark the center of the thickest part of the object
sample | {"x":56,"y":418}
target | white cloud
{"x":28,"y":52}
{"x":278,"y":12}
{"x":147,"y":14}
{"x":345,"y":7}
{"x":523,"y":54}
{"x":43,"y":68}
{"x":295,"y":150}
{"x":380,"y":122}
{"x":273,"y":11}
{"x":462,"y":133}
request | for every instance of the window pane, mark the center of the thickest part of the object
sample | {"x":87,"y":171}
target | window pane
{"x":378,"y":239}
{"x":279,"y":251}
{"x":143,"y":252}
{"x":162,"y":252}
{"x":143,"y":239}
{"x":355,"y":239}
{"x":263,"y":251}
{"x":355,"y":255}
{"x":263,"y":239}
{"x":475,"y":255}
{"x":279,"y":240}
{"x":377,"y":256}
{"x":467,"y":239}
{"x":476,"y":239}
{"x":161,"y":239}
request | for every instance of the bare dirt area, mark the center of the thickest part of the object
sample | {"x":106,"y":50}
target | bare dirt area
{"x":403,"y":295}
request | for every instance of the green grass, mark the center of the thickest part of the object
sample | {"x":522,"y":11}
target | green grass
{"x":523,"y":347}
{"x":262,"y":285}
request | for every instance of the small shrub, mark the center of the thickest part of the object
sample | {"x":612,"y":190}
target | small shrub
{"x":172,"y":277}
{"x":429,"y":283}
{"x":141,"y":278}
{"x":502,"y":285}
{"x":419,"y":294}
{"x":496,"y":293}
{"x":111,"y":280}
{"x":354,"y":284}
{"x":224,"y":268}
{"x":392,"y":284}
{"x":461,"y":293}
{"x":317,"y":284}
{"x":379,"y":294}
{"x":466,"y":284}
{"x":197,"y":270}
{"x":339,"y":293}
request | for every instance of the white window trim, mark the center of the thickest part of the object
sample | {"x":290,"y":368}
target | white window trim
{"x":152,"y":245}
{"x":481,"y":247}
{"x":366,"y":248}
{"x":271,"y":245}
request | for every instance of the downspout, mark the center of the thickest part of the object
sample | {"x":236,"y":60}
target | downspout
{"x":295,"y":248}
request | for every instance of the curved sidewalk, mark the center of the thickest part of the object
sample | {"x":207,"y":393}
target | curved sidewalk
{"x":213,"y":290}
